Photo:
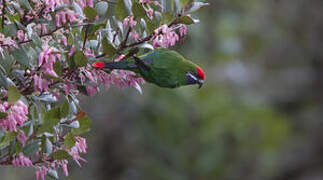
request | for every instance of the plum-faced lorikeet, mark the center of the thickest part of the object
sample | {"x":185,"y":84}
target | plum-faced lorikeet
{"x":163,"y":67}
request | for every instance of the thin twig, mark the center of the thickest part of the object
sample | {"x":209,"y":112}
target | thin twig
{"x":85,"y":37}
{"x":3,"y":13}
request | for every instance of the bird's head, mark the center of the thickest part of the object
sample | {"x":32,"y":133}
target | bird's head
{"x":196,"y":76}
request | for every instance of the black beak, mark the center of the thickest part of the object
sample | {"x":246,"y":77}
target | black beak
{"x":200,"y":83}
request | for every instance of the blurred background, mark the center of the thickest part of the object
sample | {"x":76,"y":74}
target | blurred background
{"x":258,"y":116}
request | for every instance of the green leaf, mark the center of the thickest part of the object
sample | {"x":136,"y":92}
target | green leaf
{"x":13,"y":94}
{"x":90,"y":12}
{"x":21,"y":56}
{"x":108,"y":48}
{"x":60,"y":155}
{"x":69,"y":141}
{"x":65,"y":109}
{"x":58,"y":68}
{"x":18,"y":147}
{"x":101,"y":8}
{"x":167,"y":18}
{"x":151,"y":26}
{"x":3,"y":115}
{"x":138,"y":10}
{"x":85,"y":125}
{"x":36,"y":39}
{"x":31,"y":148}
{"x":10,"y":30}
{"x":51,"y":118}
{"x":8,"y":137}
{"x":80,"y":59}
{"x":184,"y":20}
{"x":183,"y":3}
{"x":120,"y":10}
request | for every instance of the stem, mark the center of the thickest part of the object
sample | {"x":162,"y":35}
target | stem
{"x":85,"y":37}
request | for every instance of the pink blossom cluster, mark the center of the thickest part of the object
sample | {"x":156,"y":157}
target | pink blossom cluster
{"x":46,"y":62}
{"x":16,"y":115}
{"x":62,"y":17}
{"x":47,"y":59}
{"x":50,"y":5}
{"x":130,"y":20}
{"x":21,"y":160}
{"x":41,"y":172}
{"x":80,"y":147}
{"x":165,"y":37}
{"x":22,"y":138}
{"x":150,"y":11}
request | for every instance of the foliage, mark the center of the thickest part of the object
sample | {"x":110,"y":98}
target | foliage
{"x":45,"y":50}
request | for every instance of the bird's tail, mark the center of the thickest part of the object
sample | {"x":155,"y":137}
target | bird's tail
{"x":113,"y":65}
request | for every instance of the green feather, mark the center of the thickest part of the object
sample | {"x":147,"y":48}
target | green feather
{"x":166,"y":68}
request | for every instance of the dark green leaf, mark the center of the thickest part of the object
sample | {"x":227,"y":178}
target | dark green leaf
{"x":9,"y":30}
{"x":151,"y":26}
{"x":50,"y":118}
{"x":69,"y":141}
{"x":60,"y":155}
{"x":80,"y":59}
{"x":120,"y":10}
{"x":31,"y":148}
{"x":138,"y":10}
{"x":13,"y":94}
{"x":184,"y":20}
{"x":18,"y":147}
{"x":3,"y":115}
{"x":58,"y":68}
{"x":167,"y":18}
{"x":85,"y":125}
{"x":90,"y":12}
{"x":8,"y":137}
{"x":21,"y":57}
{"x":108,"y":49}
{"x":65,"y":109}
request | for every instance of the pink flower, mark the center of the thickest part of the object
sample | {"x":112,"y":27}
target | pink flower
{"x":91,"y":90}
{"x":17,"y":115}
{"x":134,"y":34}
{"x":64,"y":167}
{"x":80,"y":144}
{"x":40,"y":84}
{"x":22,"y":138}
{"x":130,"y":20}
{"x":150,"y":13}
{"x":182,"y":30}
{"x":20,"y":35}
{"x":165,"y":37}
{"x":68,"y":87}
{"x":21,"y":160}
{"x":64,"y":40}
{"x":41,"y":173}
{"x":72,"y":50}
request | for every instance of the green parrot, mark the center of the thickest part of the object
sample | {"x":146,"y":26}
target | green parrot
{"x":163,"y":67}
